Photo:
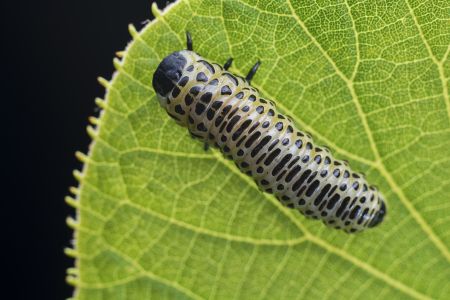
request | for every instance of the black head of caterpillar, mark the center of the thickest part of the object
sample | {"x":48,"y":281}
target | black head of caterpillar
{"x":224,"y":110}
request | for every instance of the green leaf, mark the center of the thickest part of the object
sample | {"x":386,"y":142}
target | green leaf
{"x":159,"y":217}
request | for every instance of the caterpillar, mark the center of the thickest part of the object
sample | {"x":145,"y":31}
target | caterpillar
{"x":224,"y":110}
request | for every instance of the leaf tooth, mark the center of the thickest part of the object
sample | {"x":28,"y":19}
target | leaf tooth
{"x":70,"y":252}
{"x":71,"y":202}
{"x":73,"y":271}
{"x":77,"y":174}
{"x":74,"y":190}
{"x":132,"y":30}
{"x":81,"y":156}
{"x":72,"y":280}
{"x":100,"y":103}
{"x":72,"y":223}
{"x":155,"y":10}
{"x":104,"y":82}
{"x":92,"y":132}
{"x":94,"y":120}
{"x":120,"y":54}
{"x":117,"y":64}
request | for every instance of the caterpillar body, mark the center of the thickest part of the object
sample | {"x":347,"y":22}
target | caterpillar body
{"x":224,"y":110}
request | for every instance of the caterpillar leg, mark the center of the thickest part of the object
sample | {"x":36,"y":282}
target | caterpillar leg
{"x":228,"y":63}
{"x":189,"y":45}
{"x":252,"y":71}
{"x":206,"y":146}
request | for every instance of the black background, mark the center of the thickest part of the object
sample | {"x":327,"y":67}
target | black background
{"x":52,"y":53}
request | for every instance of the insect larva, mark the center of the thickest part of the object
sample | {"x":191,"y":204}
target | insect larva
{"x":224,"y":110}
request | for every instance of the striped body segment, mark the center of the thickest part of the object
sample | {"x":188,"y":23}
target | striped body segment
{"x":225,"y":111}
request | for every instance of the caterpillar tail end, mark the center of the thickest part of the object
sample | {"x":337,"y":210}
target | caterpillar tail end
{"x":379,"y":216}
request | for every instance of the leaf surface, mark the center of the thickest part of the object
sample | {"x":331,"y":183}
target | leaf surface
{"x":157,"y":217}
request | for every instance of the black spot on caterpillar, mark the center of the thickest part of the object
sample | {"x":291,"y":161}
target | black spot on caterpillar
{"x":224,"y":110}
